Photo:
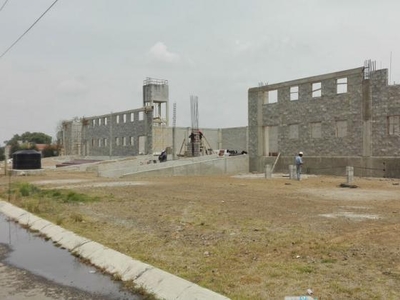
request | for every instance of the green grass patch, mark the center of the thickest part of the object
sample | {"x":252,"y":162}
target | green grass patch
{"x":305,"y":269}
{"x":27,"y":190}
{"x":328,"y":261}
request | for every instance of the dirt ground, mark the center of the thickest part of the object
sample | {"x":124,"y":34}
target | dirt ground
{"x":243,"y":236}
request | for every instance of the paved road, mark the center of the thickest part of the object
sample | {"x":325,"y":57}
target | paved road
{"x":16,"y":284}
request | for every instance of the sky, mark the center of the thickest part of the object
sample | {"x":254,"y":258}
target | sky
{"x":90,"y":57}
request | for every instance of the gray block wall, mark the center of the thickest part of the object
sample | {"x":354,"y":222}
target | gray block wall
{"x":84,"y":134}
{"x":97,"y":135}
{"x":124,"y":129}
{"x":225,"y":138}
{"x":364,"y":108}
{"x":385,"y":103}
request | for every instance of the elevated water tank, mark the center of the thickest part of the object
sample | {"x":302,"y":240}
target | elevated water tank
{"x":27,"y":160}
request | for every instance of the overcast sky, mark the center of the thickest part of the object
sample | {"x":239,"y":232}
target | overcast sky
{"x":90,"y":57}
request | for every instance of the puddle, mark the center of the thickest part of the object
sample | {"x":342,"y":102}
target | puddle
{"x":351,"y":215}
{"x":42,"y":258}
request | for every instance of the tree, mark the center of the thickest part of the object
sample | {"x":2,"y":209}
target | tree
{"x":30,"y":137}
{"x":27,"y":141}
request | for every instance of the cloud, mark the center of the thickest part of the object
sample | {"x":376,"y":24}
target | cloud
{"x":160,"y":52}
{"x":72,"y":87}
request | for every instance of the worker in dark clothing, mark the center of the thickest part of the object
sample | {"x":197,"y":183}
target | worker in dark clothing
{"x":163,"y":156}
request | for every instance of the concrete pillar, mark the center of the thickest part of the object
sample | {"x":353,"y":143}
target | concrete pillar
{"x":349,"y":174}
{"x":292,"y":172}
{"x":268,"y":172}
{"x":367,"y":118}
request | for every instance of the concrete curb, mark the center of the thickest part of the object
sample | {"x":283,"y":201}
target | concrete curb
{"x":162,"y":284}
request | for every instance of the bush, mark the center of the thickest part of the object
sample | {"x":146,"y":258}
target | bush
{"x":27,"y":189}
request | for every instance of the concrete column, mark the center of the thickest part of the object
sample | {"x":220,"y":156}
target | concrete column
{"x":367,"y":118}
{"x":292,"y":172}
{"x":350,"y":174}
{"x":268,"y":171}
{"x":111,"y":135}
{"x":260,"y":127}
{"x":219,"y":138}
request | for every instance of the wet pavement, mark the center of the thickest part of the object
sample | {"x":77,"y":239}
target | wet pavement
{"x":26,"y":252}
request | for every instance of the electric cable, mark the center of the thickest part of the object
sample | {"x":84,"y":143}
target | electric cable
{"x":4,"y":4}
{"x":13,"y":44}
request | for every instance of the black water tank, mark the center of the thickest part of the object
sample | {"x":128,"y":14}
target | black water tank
{"x":27,"y":160}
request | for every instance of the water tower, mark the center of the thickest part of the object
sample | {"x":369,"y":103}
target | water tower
{"x":156,"y":95}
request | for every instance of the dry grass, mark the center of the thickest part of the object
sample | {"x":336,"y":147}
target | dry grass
{"x":247,"y":239}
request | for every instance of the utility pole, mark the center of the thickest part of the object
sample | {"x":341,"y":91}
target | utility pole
{"x":6,"y":157}
{"x":174,"y":132}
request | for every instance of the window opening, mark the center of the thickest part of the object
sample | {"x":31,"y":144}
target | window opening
{"x":294,"y":93}
{"x":316,"y":89}
{"x":393,"y":125}
{"x":341,"y":129}
{"x":341,"y":85}
{"x":273,"y":96}
{"x":316,"y":130}
{"x":293,"y":131}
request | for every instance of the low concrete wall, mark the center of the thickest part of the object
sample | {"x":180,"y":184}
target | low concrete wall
{"x":149,"y":164}
{"x":386,"y":167}
{"x":216,"y":166}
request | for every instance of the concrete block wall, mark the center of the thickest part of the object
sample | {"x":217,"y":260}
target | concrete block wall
{"x":96,"y":130}
{"x":71,"y":136}
{"x":364,"y":108}
{"x":234,"y":138}
{"x":385,"y":103}
{"x":225,"y":138}
{"x":197,"y":166}
{"x":327,"y":109}
{"x":386,"y":167}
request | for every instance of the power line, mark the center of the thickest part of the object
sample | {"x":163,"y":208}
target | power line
{"x":4,"y":4}
{"x":13,"y":44}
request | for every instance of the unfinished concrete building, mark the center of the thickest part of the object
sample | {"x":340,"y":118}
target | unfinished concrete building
{"x":142,"y":131}
{"x":346,"y":118}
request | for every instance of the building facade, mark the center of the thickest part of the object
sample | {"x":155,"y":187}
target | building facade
{"x":344,"y":118}
{"x":142,"y":131}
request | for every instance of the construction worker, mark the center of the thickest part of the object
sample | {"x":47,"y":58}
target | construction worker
{"x":163,"y":156}
{"x":299,"y":164}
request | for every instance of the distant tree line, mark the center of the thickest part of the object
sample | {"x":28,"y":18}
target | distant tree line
{"x":28,"y":141}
